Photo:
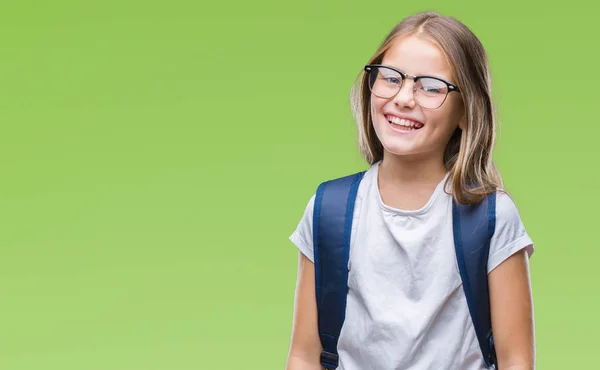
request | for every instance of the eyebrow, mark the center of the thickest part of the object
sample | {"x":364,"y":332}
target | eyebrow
{"x":420,"y":74}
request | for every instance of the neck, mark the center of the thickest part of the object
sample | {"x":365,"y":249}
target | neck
{"x":408,"y":172}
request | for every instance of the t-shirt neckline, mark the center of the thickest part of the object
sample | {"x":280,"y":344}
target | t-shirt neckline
{"x":405,"y":212}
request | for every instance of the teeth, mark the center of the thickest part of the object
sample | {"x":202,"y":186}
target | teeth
{"x":403,"y":122}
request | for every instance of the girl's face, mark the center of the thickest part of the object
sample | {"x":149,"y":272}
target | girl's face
{"x":432,"y":128}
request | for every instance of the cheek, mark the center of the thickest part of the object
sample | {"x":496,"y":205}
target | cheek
{"x":444,"y":120}
{"x":376,"y":105}
{"x":455,"y":111}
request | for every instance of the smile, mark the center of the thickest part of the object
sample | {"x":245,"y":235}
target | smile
{"x":403,"y":124}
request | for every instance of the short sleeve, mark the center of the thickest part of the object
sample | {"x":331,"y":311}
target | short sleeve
{"x":302,"y":236}
{"x":510,"y":235}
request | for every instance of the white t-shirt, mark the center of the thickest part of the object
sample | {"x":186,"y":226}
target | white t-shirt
{"x":406,"y":307}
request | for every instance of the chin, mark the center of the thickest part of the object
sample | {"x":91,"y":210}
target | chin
{"x":400,"y":150}
{"x":401,"y":144}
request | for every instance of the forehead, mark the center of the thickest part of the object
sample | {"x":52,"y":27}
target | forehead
{"x":417,"y":56}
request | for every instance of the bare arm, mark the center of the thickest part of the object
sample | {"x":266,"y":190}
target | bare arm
{"x":305,"y":346}
{"x":512,"y":313}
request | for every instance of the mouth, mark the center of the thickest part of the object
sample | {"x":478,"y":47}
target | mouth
{"x":403,"y":124}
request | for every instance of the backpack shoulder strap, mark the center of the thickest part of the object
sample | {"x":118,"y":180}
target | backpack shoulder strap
{"x":332,"y":225}
{"x":473,"y":227}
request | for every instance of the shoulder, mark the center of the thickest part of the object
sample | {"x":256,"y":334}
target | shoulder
{"x":358,"y":181}
{"x":510,"y":234}
{"x":302,"y":236}
{"x":506,"y":208}
{"x":508,"y":217}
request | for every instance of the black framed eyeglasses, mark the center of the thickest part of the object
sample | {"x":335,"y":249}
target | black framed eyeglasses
{"x":429,"y":92}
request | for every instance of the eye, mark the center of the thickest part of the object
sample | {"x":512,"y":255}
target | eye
{"x":393,"y":80}
{"x":432,"y":86}
{"x":432,"y":89}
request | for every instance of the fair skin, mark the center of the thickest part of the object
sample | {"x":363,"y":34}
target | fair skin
{"x":305,"y":346}
{"x":413,"y":160}
{"x":411,"y":168}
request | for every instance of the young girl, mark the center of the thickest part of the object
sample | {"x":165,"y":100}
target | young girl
{"x":427,"y":129}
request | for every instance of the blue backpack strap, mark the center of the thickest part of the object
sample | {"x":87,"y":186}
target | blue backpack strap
{"x":332,"y":225}
{"x":474,"y":226}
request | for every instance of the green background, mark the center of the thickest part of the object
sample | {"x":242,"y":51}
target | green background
{"x":156,"y":156}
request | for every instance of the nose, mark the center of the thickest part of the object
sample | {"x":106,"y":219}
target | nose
{"x":406,"y":95}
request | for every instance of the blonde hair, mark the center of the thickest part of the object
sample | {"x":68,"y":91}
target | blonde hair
{"x":468,"y":155}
